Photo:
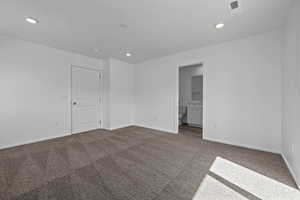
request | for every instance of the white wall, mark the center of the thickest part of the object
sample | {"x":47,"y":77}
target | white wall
{"x":35,"y":91}
{"x":35,"y":88}
{"x":121,"y":94}
{"x":242,"y":94}
{"x":291,"y":92}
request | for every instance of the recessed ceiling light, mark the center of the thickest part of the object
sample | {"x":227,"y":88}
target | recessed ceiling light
{"x":220,"y":25}
{"x":128,"y":54}
{"x":32,"y":20}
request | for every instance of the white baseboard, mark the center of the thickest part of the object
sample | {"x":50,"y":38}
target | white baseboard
{"x":242,"y":145}
{"x":291,"y":170}
{"x":121,"y":126}
{"x":52,"y":137}
{"x":157,"y":128}
{"x":32,"y":141}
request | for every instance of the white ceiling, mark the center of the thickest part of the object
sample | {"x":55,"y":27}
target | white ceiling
{"x":155,"y":27}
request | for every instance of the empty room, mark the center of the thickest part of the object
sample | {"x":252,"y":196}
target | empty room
{"x":149,"y":100}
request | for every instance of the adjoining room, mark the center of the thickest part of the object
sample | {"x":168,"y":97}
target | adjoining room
{"x":190,"y":113}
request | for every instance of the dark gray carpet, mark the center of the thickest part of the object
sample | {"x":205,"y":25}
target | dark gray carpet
{"x":131,"y":163}
{"x":190,"y":131}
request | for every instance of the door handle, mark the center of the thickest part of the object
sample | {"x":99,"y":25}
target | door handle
{"x":74,"y":103}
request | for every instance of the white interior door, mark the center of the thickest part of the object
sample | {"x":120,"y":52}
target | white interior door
{"x":86,"y":99}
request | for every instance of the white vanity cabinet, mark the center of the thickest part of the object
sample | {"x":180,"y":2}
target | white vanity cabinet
{"x":194,"y":114}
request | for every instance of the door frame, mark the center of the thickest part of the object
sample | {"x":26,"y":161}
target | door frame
{"x":204,"y":74}
{"x":71,"y":97}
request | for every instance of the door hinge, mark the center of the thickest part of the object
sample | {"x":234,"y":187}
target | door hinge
{"x":100,"y":76}
{"x":100,"y":123}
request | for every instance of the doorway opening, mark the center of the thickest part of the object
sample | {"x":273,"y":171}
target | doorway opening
{"x":190,"y":106}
